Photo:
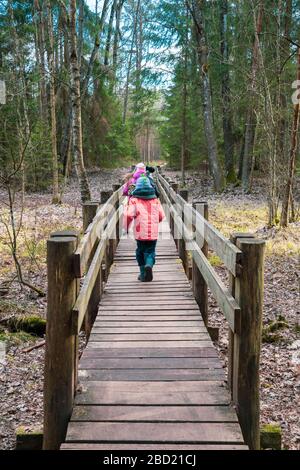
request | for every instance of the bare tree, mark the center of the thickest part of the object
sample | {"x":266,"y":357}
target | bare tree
{"x":202,"y":51}
{"x":226,"y":95}
{"x":76,"y":108}
{"x":250,"y":120}
{"x":52,"y":106}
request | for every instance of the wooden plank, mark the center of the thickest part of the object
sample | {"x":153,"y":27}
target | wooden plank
{"x":144,"y":288}
{"x":202,"y":414}
{"x":144,"y":318}
{"x":154,"y":297}
{"x":188,"y":308}
{"x":151,"y":344}
{"x":146,"y":352}
{"x":177,"y":447}
{"x":119,"y":397}
{"x":148,"y":375}
{"x":104,"y":336}
{"x":159,"y":389}
{"x":171,"y":303}
{"x":150,"y":363}
{"x":145,"y":329}
{"x":150,"y":323}
{"x":154,"y":432}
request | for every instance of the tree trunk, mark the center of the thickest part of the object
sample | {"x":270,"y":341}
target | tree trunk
{"x":251,"y":119}
{"x":226,"y":96}
{"x":135,"y":21}
{"x":76,"y":109}
{"x":40,"y":35}
{"x":95,"y":49}
{"x":184,"y":102}
{"x":293,"y":153}
{"x":52,"y":106}
{"x":80,"y":31}
{"x":202,"y":50}
{"x":109,"y":32}
{"x":116,"y":38}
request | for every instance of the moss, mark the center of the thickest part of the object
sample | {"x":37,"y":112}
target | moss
{"x":29,"y":439}
{"x":270,"y":436}
{"x":22,"y":430}
{"x":270,"y":331}
{"x":215,"y":260}
{"x":31,"y":324}
{"x":271,"y":428}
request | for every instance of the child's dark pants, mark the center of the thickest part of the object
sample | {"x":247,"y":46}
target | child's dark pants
{"x":145,"y":252}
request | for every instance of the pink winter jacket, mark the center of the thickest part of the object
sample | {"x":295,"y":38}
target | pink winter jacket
{"x":147,"y":214}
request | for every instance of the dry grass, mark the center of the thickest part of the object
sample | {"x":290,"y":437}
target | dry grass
{"x":229,"y":218}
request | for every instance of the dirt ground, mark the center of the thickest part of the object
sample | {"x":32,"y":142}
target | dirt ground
{"x":21,"y":373}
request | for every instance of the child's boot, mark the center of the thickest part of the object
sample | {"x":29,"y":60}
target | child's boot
{"x":148,"y":268}
{"x":142,"y":274}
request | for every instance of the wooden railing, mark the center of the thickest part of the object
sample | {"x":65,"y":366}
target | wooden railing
{"x":241,"y":302}
{"x":77,"y":270}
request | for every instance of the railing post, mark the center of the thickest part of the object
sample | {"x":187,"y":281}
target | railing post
{"x":89,"y":211}
{"x":174,"y":186}
{"x":104,"y":196}
{"x":116,"y":187}
{"x":183,"y":255}
{"x":233,"y":239}
{"x":198,"y":281}
{"x":248,"y":290}
{"x":60,"y":358}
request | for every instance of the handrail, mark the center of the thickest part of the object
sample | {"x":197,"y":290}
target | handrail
{"x":227,"y":251}
{"x":93,"y":234}
{"x":222,"y":295}
{"x":81,"y":305}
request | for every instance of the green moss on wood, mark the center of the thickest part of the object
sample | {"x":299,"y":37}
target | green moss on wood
{"x":270,"y":436}
{"x":29,"y":324}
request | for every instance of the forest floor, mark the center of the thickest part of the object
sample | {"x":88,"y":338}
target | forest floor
{"x":21,"y":372}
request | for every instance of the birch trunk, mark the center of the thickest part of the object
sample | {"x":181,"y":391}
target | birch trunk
{"x":76,"y":108}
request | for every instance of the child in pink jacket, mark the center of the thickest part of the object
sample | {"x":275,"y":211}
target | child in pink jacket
{"x":144,"y":208}
{"x":132,"y":178}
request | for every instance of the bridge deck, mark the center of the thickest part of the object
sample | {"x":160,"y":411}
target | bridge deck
{"x":150,"y":375}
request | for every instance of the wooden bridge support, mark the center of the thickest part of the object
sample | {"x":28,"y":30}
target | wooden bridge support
{"x":198,"y":281}
{"x":60,"y":374}
{"x":245,"y":345}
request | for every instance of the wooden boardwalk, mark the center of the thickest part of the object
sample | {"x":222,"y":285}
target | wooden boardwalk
{"x":150,"y":376}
